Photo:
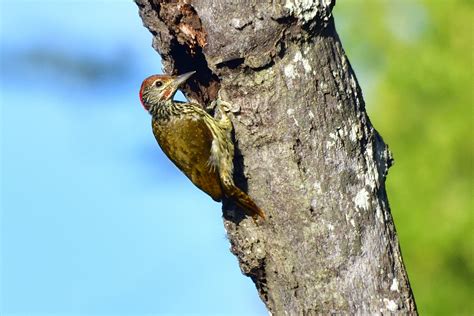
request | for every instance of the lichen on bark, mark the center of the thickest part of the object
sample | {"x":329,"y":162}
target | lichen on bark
{"x":306,"y":151}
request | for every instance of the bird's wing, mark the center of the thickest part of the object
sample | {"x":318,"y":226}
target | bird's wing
{"x":187,"y":142}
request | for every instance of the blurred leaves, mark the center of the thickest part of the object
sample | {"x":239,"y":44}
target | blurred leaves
{"x":422,"y":104}
{"x":88,"y":68}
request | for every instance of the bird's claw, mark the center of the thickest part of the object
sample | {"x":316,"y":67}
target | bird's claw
{"x":224,"y":105}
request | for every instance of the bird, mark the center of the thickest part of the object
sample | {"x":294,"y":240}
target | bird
{"x":200,"y":145}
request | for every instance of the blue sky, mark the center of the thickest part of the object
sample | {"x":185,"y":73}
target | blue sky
{"x":94,"y":219}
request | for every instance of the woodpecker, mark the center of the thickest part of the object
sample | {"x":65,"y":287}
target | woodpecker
{"x":197,"y":143}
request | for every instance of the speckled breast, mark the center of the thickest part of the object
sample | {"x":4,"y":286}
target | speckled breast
{"x":187,"y":141}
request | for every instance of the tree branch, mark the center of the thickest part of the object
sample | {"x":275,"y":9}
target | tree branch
{"x":306,"y":151}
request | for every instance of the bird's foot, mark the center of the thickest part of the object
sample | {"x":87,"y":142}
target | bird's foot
{"x":220,"y":104}
{"x":221,"y":108}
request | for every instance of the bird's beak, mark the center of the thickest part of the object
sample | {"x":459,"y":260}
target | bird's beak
{"x":182,"y":78}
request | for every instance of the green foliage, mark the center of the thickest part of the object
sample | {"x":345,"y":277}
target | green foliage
{"x":415,"y":63}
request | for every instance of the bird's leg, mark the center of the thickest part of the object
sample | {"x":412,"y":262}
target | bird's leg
{"x":222,"y":108}
{"x":224,"y":121}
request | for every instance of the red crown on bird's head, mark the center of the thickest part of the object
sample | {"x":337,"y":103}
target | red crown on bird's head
{"x":160,"y":88}
{"x":147,"y":83}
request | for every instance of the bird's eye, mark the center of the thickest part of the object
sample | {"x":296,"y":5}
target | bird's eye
{"x":158,"y":84}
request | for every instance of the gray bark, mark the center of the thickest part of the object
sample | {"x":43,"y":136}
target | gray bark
{"x":306,"y":151}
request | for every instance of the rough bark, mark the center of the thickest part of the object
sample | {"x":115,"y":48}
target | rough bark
{"x":306,"y":151}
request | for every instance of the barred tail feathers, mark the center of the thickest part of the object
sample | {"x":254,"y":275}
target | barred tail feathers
{"x":242,"y":199}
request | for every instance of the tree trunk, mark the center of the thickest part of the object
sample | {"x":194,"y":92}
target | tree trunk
{"x":306,"y":151}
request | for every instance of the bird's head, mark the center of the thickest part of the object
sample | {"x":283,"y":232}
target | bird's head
{"x":157,"y":89}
